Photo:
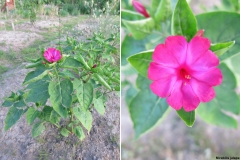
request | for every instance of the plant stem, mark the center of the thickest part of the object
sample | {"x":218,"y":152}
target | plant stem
{"x":71,"y":120}
{"x":56,"y":125}
{"x":85,"y":81}
{"x":55,"y":69}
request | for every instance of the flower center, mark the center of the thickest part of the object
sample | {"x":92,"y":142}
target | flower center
{"x":185,"y":76}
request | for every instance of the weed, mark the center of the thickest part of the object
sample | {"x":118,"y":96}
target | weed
{"x":43,"y":154}
{"x":3,"y":69}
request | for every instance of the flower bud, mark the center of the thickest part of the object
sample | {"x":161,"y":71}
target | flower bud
{"x":140,"y":8}
{"x":200,"y":33}
{"x":94,"y":66}
{"x":52,"y":55}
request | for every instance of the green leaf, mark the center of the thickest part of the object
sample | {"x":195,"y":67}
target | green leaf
{"x":101,"y":80}
{"x":37,"y":129}
{"x":31,"y":115}
{"x":71,"y":63}
{"x":183,"y":20}
{"x":154,"y":7}
{"x":36,"y":75}
{"x":225,"y":93}
{"x":82,"y":60}
{"x":12,"y":117}
{"x":9,"y":101}
{"x":54,"y":117}
{"x":130,"y":15}
{"x":79,"y":132}
{"x":16,"y":100}
{"x":130,"y":94}
{"x":187,"y":117}
{"x":99,"y":105}
{"x":84,"y":116}
{"x":38,"y":92}
{"x":226,"y":100}
{"x":66,"y":74}
{"x":45,"y":114}
{"x":210,"y":113}
{"x":61,"y":96}
{"x":140,"y":28}
{"x":20,"y":102}
{"x":129,"y":47}
{"x":64,"y":132}
{"x":35,"y":64}
{"x":221,"y":48}
{"x":146,"y":108}
{"x":163,"y":11}
{"x":141,"y":62}
{"x":84,"y":93}
{"x":224,"y":28}
{"x":235,"y":64}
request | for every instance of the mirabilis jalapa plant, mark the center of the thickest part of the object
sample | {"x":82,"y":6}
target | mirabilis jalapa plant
{"x":184,"y":69}
{"x":66,"y":83}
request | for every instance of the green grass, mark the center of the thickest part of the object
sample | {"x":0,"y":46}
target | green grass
{"x":33,"y":50}
{"x":3,"y":69}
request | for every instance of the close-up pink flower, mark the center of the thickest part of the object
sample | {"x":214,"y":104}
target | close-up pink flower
{"x":184,"y":72}
{"x":52,"y":55}
{"x":140,"y":8}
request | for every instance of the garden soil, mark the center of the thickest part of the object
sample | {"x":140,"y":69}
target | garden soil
{"x":102,"y":143}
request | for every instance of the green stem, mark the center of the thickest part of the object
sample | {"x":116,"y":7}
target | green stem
{"x":85,"y":81}
{"x":55,"y":69}
{"x":56,"y":125}
{"x":71,"y":120}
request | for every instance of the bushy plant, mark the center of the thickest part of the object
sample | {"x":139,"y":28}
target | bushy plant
{"x":63,"y":13}
{"x":25,"y":13}
{"x":75,"y":12}
{"x":65,"y":84}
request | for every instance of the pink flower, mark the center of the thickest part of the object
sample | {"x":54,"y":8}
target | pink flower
{"x":52,"y":55}
{"x":140,"y":8}
{"x":184,"y":73}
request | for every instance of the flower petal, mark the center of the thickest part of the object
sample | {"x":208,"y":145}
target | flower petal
{"x":177,"y":47}
{"x":175,"y":100}
{"x":212,"y":77}
{"x":57,"y":55}
{"x":205,"y":62}
{"x":162,"y":87}
{"x":157,"y":71}
{"x":204,"y":92}
{"x":162,"y":56}
{"x":190,"y":99}
{"x":197,"y":47}
{"x":47,"y":55}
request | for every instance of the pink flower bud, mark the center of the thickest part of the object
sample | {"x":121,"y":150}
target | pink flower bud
{"x":52,"y":55}
{"x":200,"y":33}
{"x":140,"y":8}
{"x":94,"y":66}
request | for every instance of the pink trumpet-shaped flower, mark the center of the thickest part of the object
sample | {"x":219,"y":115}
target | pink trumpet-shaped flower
{"x":52,"y":55}
{"x":140,"y":8}
{"x":184,"y":73}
